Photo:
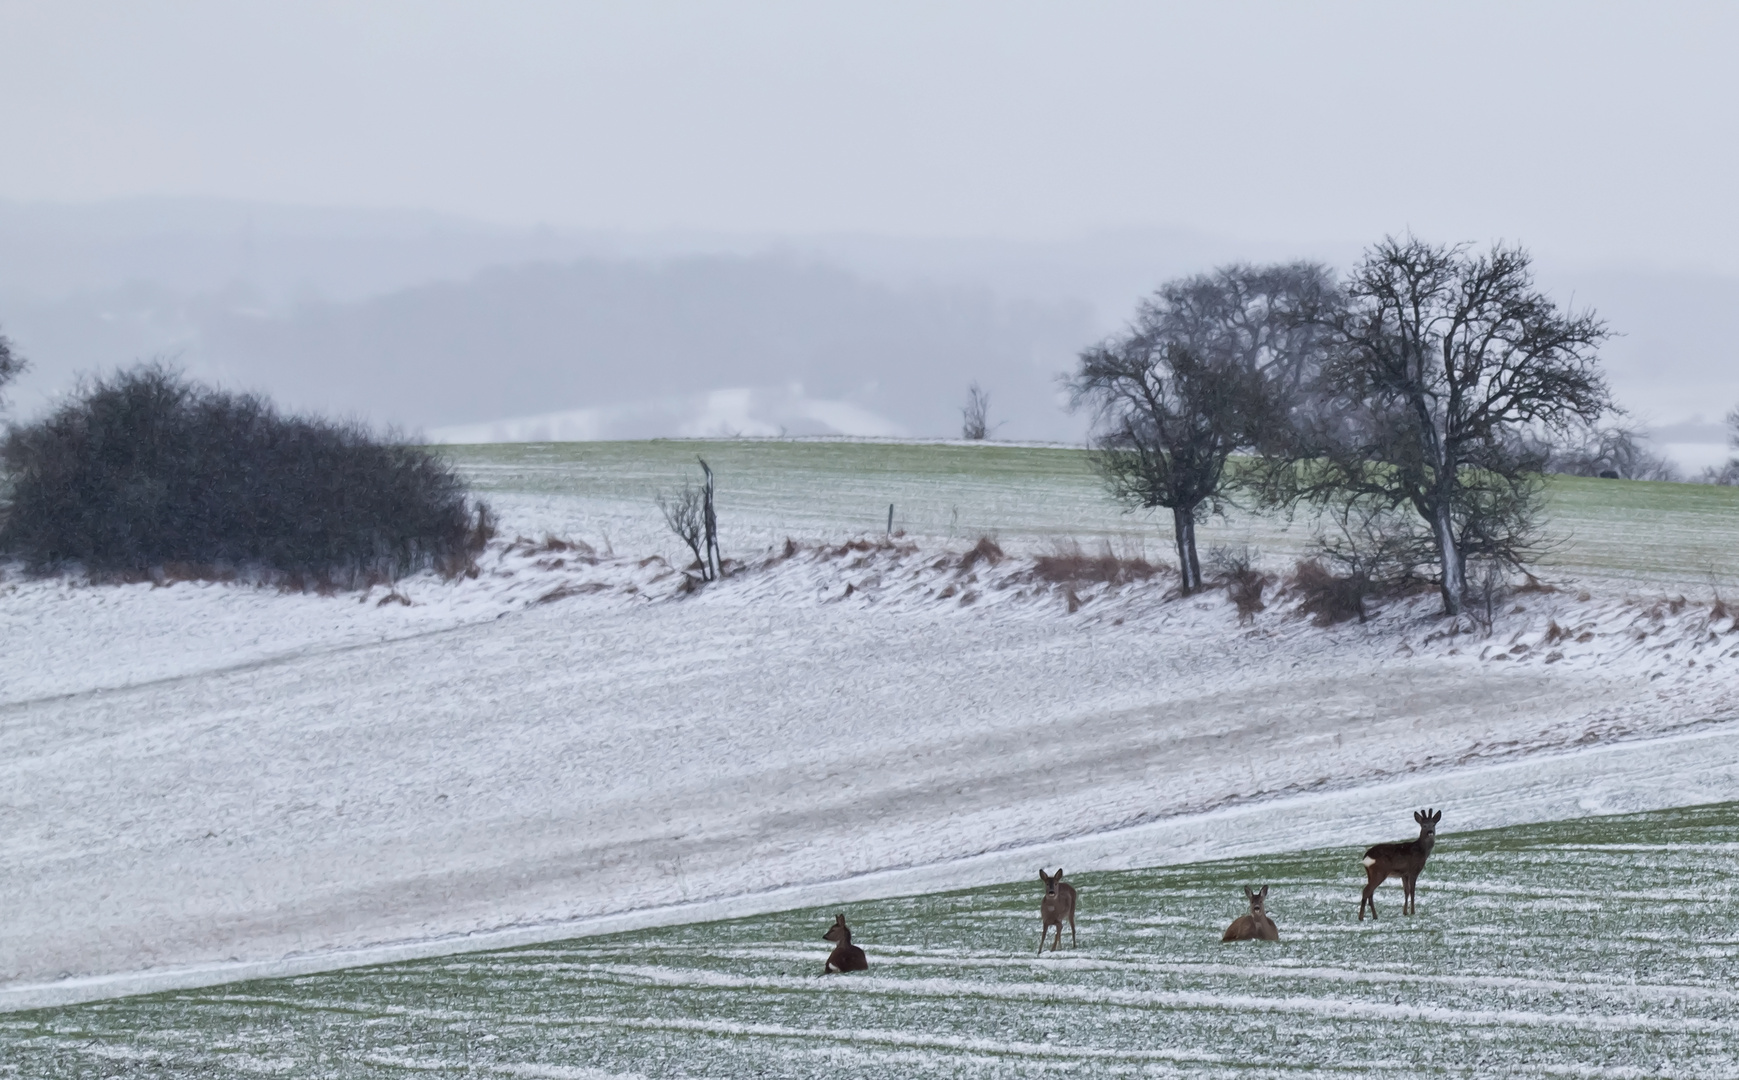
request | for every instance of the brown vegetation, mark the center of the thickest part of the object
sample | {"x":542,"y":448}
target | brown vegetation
{"x":1326,"y":597}
{"x":562,"y":592}
{"x":1244,"y":583}
{"x":1072,"y":566}
{"x":985,"y":551}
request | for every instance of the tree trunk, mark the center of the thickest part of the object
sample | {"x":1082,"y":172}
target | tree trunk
{"x":1454,"y":577}
{"x":1189,"y":567}
{"x":713,"y":564}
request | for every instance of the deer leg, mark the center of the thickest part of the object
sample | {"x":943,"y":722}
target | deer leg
{"x":1410,"y":883}
{"x":1073,"y":940}
{"x":1369,"y":898}
{"x":1042,"y":931}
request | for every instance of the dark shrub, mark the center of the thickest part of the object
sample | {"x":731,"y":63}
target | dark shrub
{"x":147,"y":468}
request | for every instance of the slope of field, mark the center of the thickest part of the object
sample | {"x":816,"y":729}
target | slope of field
{"x":205,"y":781}
{"x":1602,"y":947}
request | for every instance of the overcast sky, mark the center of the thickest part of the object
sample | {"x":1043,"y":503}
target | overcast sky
{"x":1595,"y":133}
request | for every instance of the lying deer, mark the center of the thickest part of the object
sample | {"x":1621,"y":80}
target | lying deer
{"x":845,"y":956}
{"x":1404,"y":860}
{"x":1254,"y":926}
{"x":1058,"y":904}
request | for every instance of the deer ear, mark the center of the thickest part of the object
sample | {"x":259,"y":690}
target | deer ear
{"x":1436,"y":816}
{"x":1264,"y":891}
{"x":1248,"y":894}
{"x":1059,"y":873}
{"x":1419,"y":816}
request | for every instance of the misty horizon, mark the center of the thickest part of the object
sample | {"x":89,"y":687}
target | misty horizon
{"x":469,"y":332}
{"x":323,"y":203}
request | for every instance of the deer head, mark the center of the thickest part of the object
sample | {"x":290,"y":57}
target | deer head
{"x":1427,"y":820}
{"x":1256,"y":899}
{"x":838,"y":931}
{"x":1051,"y":881}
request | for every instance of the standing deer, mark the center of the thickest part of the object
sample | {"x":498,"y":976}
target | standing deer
{"x":1058,"y":904}
{"x":1404,"y":860}
{"x":1254,"y":926}
{"x":845,"y":956}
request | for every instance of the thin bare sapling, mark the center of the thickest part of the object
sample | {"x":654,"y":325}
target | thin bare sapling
{"x":975,"y":416}
{"x":689,"y":514}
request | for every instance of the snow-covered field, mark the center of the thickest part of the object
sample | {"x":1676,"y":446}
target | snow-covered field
{"x":206,"y":782}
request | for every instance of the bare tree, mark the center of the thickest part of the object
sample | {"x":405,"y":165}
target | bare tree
{"x":1210,"y":365}
{"x":11,"y":364}
{"x":1610,"y":450}
{"x":1439,"y":361}
{"x":685,"y":514}
{"x":976,"y":414}
{"x":1168,"y":420}
{"x":1275,"y":321}
{"x":710,"y":522}
{"x":1726,"y":474}
{"x":689,"y":514}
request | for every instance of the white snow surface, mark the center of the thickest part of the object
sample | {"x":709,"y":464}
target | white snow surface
{"x":205,"y":782}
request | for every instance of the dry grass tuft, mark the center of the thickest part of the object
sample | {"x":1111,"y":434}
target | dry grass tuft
{"x":860,"y":546}
{"x":1534,"y":585}
{"x":553,"y":545}
{"x":565,"y":591}
{"x":1072,"y":566}
{"x":1244,"y":583}
{"x":1326,"y":597}
{"x":985,"y":551}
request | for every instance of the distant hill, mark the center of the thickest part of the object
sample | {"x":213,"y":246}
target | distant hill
{"x":643,"y":337}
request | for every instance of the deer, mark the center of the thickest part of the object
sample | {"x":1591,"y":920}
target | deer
{"x":1254,"y":925}
{"x":1058,"y":904}
{"x":845,"y":956}
{"x":1404,"y":860}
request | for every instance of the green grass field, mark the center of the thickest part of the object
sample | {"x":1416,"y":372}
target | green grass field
{"x":1598,"y":947}
{"x":1667,"y":535}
